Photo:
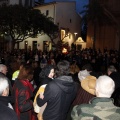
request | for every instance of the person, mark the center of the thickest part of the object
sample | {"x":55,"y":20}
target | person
{"x":23,"y":93}
{"x":90,"y":69}
{"x":37,"y":71}
{"x":58,"y":94}
{"x":44,"y":60}
{"x":100,"y":107}
{"x":3,"y":70}
{"x":6,"y":113}
{"x":46,"y":76}
{"x":116,"y":97}
{"x":74,"y":69}
{"x":86,"y":90}
{"x":16,"y":73}
{"x":112,"y":72}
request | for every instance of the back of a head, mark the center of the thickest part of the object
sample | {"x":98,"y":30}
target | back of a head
{"x":83,"y":74}
{"x":26,"y":72}
{"x":3,"y":83}
{"x":104,"y":86}
{"x":87,"y":67}
{"x":63,"y":68}
{"x":111,"y":69}
{"x":2,"y":67}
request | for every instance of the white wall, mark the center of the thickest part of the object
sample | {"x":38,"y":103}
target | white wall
{"x":39,"y":40}
{"x":61,"y":12}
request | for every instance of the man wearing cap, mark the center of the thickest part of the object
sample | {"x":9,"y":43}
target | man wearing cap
{"x":100,"y":107}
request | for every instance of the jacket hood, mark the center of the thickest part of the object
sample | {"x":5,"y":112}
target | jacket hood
{"x":65,"y":83}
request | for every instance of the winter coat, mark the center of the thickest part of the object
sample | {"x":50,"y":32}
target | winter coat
{"x":22,"y":92}
{"x":59,"y":94}
{"x":6,"y":113}
{"x":97,"y":109}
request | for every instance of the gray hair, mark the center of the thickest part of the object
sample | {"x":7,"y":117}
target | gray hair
{"x":112,"y":68}
{"x":105,"y":86}
{"x":3,"y":83}
{"x":2,"y":66}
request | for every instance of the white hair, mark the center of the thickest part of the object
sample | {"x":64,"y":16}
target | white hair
{"x":3,"y":83}
{"x":83,"y":74}
{"x":2,"y":66}
{"x":104,"y":86}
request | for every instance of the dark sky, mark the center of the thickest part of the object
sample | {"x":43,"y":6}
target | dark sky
{"x":79,"y":3}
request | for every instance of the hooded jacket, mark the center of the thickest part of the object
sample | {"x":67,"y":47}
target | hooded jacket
{"x":59,"y":95}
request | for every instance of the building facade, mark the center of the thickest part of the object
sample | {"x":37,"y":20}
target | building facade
{"x":107,"y":36}
{"x":65,"y":16}
{"x":22,"y":2}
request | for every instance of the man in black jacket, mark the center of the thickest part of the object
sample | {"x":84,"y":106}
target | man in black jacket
{"x":59,"y":94}
{"x":112,"y":72}
{"x":6,"y":111}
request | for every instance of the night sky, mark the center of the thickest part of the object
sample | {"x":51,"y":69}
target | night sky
{"x":79,"y":3}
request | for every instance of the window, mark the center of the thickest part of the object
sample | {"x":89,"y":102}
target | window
{"x":47,"y":12}
{"x":26,"y":45}
{"x":58,"y":23}
{"x":62,"y":34}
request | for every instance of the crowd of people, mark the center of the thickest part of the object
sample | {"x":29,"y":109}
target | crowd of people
{"x":79,"y":85}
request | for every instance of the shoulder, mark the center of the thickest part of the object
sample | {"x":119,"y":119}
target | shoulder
{"x":7,"y":114}
{"x":79,"y":111}
{"x":52,"y":86}
{"x":20,"y":85}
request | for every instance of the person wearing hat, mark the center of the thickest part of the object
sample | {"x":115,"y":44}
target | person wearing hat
{"x":86,"y":89}
{"x":101,"y":107}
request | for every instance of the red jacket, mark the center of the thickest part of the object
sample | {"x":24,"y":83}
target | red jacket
{"x":23,"y":91}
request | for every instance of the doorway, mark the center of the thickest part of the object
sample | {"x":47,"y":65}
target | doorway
{"x":34,"y":45}
{"x":45,"y":45}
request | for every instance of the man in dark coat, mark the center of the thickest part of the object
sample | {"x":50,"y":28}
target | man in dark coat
{"x":59,"y":94}
{"x":112,"y":72}
{"x":6,"y":113}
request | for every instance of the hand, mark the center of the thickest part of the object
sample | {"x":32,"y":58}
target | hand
{"x":41,"y":95}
